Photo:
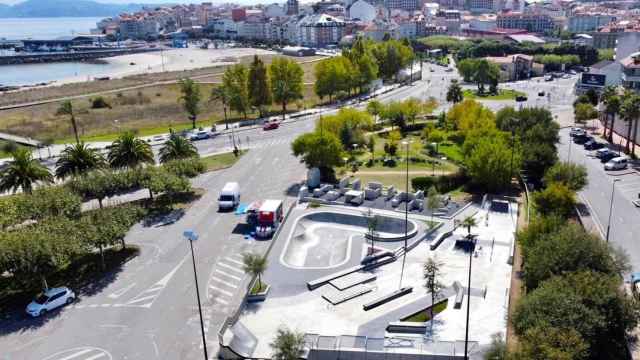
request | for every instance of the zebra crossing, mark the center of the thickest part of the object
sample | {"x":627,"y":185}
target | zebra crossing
{"x":225,"y":280}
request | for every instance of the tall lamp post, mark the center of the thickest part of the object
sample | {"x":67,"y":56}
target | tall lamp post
{"x":192,"y":236}
{"x":466,"y":331}
{"x":406,"y":213}
{"x":613,"y":189}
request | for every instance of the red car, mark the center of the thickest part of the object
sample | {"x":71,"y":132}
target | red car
{"x":271,"y":126}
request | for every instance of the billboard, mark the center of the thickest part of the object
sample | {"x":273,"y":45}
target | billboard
{"x":593,"y":79}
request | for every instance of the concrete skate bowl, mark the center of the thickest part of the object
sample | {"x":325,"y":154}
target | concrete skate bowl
{"x":323,"y":240}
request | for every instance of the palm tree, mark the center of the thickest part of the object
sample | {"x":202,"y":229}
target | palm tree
{"x":288,"y":345}
{"x":608,"y":94}
{"x":454,"y":93}
{"x":23,"y":172}
{"x":468,"y":222}
{"x":612,"y":108}
{"x":255,"y":265}
{"x":67,"y":109}
{"x":177,"y":148}
{"x":219,"y":93}
{"x":630,"y":111}
{"x":636,"y":101}
{"x":78,"y":159}
{"x":129,"y":151}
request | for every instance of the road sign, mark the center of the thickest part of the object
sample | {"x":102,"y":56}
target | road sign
{"x":191,"y":235}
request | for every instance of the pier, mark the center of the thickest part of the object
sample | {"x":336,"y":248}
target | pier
{"x":70,"y":56}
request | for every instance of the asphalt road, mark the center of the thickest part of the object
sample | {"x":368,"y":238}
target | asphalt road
{"x":148,"y":309}
{"x":597,"y":196}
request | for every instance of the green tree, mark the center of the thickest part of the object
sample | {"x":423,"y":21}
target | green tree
{"x":412,"y":109}
{"x":556,"y":198}
{"x":23,"y":172}
{"x":66,"y":108}
{"x":630,"y":112}
{"x":574,"y":176}
{"x":288,"y":345}
{"x":77,"y":160}
{"x":433,"y":200}
{"x":431,"y":274}
{"x":220,"y":93}
{"x":468,"y":222}
{"x":286,"y":81}
{"x":371,"y":146}
{"x":258,"y":84}
{"x":323,"y":151}
{"x":491,"y":164}
{"x":485,"y":74}
{"x":255,"y":265}
{"x":497,"y":349}
{"x":395,"y":113}
{"x":190,"y":98}
{"x":537,"y":230}
{"x":129,"y":152}
{"x":467,"y":68}
{"x":550,"y":343}
{"x":362,"y":58}
{"x":177,"y":148}
{"x":375,"y":108}
{"x":235,"y":81}
{"x":454,"y":93}
{"x":584,"y":112}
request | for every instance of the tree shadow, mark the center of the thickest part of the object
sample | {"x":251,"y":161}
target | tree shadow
{"x":293,"y":189}
{"x":163,"y":218}
{"x":84,"y":276}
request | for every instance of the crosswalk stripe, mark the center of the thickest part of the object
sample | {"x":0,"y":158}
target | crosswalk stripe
{"x":221,"y":301}
{"x":75,"y":355}
{"x":228,"y":275}
{"x":220,"y":281}
{"x":220,"y":263}
{"x":234,"y":261}
{"x":228,"y":293}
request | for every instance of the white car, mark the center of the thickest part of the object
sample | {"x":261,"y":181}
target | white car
{"x":619,"y":163}
{"x":576,"y":131}
{"x":49,"y":300}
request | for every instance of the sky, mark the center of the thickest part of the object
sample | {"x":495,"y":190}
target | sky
{"x":244,"y":2}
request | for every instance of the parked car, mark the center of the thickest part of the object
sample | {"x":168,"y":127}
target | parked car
{"x":272,"y":125}
{"x":581,"y":139}
{"x":577,"y":131}
{"x":521,"y":98}
{"x":548,"y":77}
{"x":593,"y":145}
{"x":541,"y":93}
{"x":229,"y":196}
{"x":608,"y":156}
{"x":200,"y":135}
{"x":618,"y":163}
{"x":601,"y":152}
{"x":51,"y":299}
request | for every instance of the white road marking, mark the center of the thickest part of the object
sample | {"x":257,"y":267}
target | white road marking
{"x":223,"y":302}
{"x":234,"y":261}
{"x":116,"y":294}
{"x":95,"y":356}
{"x":228,"y":275}
{"x":228,"y":293}
{"x":230,"y":267}
{"x":156,"y":289}
{"x":79,"y":353}
{"x":220,"y":281}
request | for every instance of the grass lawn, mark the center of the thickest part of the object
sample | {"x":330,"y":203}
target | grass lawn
{"x":451,"y":151}
{"x":258,"y":288}
{"x":423,"y":315}
{"x":503,"y":94}
{"x":221,"y":161}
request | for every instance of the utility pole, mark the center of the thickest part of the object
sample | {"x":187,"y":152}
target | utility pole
{"x":192,"y":236}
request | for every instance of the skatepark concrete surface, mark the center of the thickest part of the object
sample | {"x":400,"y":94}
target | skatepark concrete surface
{"x":290,"y":304}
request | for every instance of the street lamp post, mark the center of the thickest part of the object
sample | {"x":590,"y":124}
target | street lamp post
{"x":466,"y":332}
{"x":192,"y":236}
{"x":613,"y":189}
{"x":406,"y":213}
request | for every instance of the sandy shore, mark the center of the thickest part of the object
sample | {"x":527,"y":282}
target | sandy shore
{"x":155,"y":62}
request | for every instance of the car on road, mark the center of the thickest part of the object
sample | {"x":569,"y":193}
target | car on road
{"x":581,"y":139}
{"x":576,"y":131}
{"x":431,"y":70}
{"x":521,"y":98}
{"x":573,"y":72}
{"x":618,"y":163}
{"x":271,"y":125}
{"x":200,"y":135}
{"x":593,"y":145}
{"x":548,"y":77}
{"x":541,"y":93}
{"x":49,"y":300}
{"x":157,"y":138}
{"x":608,"y":157}
{"x":448,"y":69}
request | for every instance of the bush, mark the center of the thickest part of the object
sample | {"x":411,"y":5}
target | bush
{"x":443,"y":183}
{"x":99,"y":103}
{"x":555,"y":199}
{"x":188,"y":167}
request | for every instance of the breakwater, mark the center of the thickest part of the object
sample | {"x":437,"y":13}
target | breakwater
{"x":69,"y":56}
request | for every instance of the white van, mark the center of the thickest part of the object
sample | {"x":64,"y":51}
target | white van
{"x":229,"y":196}
{"x":619,"y":163}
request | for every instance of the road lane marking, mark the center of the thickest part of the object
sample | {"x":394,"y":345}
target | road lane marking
{"x":95,"y":356}
{"x":223,"y":302}
{"x":75,"y":355}
{"x":228,"y":293}
{"x":230,"y":267}
{"x":156,"y":289}
{"x":220,"y":281}
{"x":116,"y":294}
{"x":228,"y":275}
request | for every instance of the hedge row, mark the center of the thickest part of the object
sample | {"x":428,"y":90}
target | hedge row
{"x":443,"y":183}
{"x":43,"y":203}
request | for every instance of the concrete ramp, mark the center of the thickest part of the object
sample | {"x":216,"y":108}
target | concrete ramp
{"x":20,"y":140}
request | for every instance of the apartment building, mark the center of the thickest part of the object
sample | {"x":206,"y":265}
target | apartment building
{"x":582,"y":22}
{"x":407,"y":5}
{"x":319,"y":30}
{"x":537,"y":23}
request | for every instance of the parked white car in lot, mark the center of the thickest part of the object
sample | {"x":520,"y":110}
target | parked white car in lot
{"x":619,"y":163}
{"x":49,"y":300}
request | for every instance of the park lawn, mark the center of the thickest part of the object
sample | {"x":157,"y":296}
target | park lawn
{"x":424,"y":315}
{"x":451,"y":151}
{"x":503,"y":94}
{"x":221,"y":161}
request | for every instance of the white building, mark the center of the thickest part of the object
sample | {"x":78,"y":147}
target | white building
{"x":582,"y":22}
{"x":224,"y":28}
{"x":139,"y":28}
{"x":320,"y":30}
{"x":254,"y":29}
{"x":362,"y":10}
{"x":274,"y":10}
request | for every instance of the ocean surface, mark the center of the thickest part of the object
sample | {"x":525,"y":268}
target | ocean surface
{"x":44,"y":28}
